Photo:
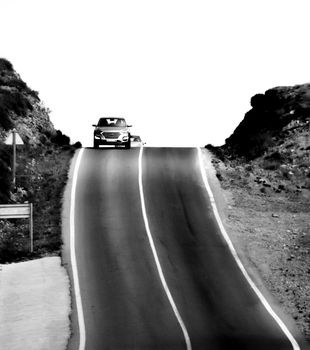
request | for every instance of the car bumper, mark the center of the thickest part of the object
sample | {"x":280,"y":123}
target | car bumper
{"x":107,"y":141}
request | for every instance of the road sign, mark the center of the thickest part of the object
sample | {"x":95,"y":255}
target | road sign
{"x":19,"y":211}
{"x":14,"y":139}
{"x":10,"y":138}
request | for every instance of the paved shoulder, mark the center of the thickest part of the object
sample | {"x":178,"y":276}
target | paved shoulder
{"x":34,"y":305}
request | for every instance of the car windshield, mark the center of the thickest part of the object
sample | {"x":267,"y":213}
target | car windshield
{"x":113,"y":122}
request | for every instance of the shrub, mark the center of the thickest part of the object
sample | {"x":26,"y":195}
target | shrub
{"x":258,"y":101}
{"x":5,"y":65}
{"x":14,"y":240}
{"x":5,"y":121}
{"x":13,"y":101}
{"x":5,"y":174}
{"x":60,"y":139}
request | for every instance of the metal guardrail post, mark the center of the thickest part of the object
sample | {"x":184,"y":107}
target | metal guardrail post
{"x":31,"y":228}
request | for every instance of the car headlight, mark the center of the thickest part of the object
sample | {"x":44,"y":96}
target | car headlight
{"x":98,"y":134}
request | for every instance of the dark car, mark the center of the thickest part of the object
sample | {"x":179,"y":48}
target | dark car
{"x":112,"y":131}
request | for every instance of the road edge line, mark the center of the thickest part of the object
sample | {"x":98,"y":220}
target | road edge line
{"x":237,"y":259}
{"x":159,"y":269}
{"x":76,"y":285}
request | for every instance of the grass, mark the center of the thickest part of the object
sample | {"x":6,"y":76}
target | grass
{"x":40,"y":179}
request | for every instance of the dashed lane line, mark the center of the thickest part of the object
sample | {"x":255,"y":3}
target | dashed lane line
{"x":159,"y":269}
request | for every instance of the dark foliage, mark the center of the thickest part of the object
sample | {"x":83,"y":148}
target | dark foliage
{"x":41,"y":173}
{"x":5,"y":121}
{"x":5,"y":173}
{"x":61,"y":139}
{"x":77,"y":145}
{"x":5,"y":65}
{"x":12,"y":102}
{"x":262,"y":126}
{"x":217,"y":151}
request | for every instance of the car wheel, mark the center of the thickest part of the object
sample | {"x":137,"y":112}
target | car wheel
{"x":128,"y":144}
{"x":96,"y":144}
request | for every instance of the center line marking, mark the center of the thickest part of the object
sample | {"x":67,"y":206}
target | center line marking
{"x":159,"y":269}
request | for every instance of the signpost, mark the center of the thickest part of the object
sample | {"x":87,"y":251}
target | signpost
{"x":14,"y":139}
{"x":19,"y":211}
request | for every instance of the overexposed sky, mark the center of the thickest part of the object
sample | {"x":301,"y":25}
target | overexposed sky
{"x":182,"y":72}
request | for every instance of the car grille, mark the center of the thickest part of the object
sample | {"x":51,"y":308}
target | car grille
{"x":111,"y":135}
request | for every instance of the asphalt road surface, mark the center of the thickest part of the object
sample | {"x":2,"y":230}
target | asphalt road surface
{"x":124,"y":297}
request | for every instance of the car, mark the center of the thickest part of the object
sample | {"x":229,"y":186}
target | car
{"x":112,"y":131}
{"x":136,"y":140}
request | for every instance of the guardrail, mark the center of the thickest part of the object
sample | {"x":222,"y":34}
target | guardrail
{"x":19,"y":211}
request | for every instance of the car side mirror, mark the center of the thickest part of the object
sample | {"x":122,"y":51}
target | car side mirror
{"x":94,"y":125}
{"x":129,"y":126}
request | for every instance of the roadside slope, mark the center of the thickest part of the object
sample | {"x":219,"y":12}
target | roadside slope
{"x":264,"y":234}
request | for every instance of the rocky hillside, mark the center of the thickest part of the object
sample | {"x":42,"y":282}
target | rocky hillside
{"x":275,"y":116}
{"x":273,"y":139}
{"x":20,"y":107}
{"x":41,"y":172}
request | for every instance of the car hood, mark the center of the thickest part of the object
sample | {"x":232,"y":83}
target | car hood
{"x":112,"y":129}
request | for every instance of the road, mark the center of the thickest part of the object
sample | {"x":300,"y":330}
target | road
{"x":194,"y":295}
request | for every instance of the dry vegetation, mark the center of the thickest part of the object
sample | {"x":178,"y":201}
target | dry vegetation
{"x":42,"y":166}
{"x":41,"y":177}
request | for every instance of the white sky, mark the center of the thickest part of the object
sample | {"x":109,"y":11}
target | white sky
{"x":181,"y":71}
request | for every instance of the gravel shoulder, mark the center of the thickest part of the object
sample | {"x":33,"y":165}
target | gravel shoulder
{"x":272,"y":238}
{"x":34,"y":305}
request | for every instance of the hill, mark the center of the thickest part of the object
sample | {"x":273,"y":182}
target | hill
{"x":41,"y":171}
{"x":264,"y":171}
{"x":271,"y":145}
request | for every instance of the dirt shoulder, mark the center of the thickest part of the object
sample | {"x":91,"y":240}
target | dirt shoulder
{"x":271,"y":233}
{"x":34,"y":305}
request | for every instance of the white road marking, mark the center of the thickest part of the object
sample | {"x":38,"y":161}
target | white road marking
{"x":73,"y":256}
{"x":159,"y":269}
{"x":236,"y":257}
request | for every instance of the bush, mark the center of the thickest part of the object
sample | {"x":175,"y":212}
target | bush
{"x":13,"y":101}
{"x":14,"y":240}
{"x":5,"y":121}
{"x":5,"y":65}
{"x":60,"y":139}
{"x":5,"y":174}
{"x":258,"y":101}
